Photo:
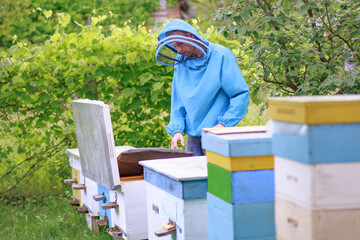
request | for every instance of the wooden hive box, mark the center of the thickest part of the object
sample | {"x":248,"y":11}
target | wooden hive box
{"x":318,"y":186}
{"x":296,"y":222}
{"x":240,"y":183}
{"x":316,"y":144}
{"x":176,"y":198}
{"x":252,"y":221}
{"x":316,"y":109}
{"x":239,"y":148}
{"x":241,"y":187}
{"x":124,"y":204}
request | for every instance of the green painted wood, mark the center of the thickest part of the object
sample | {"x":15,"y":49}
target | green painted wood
{"x":219,"y":182}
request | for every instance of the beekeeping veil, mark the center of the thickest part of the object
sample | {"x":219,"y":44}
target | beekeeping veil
{"x":167,"y":54}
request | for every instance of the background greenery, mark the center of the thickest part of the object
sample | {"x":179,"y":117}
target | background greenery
{"x":57,"y":51}
{"x":54,"y":51}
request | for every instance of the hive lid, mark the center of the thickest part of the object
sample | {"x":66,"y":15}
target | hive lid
{"x":316,"y":109}
{"x":179,"y":169}
{"x":96,"y":142}
{"x":238,"y":141}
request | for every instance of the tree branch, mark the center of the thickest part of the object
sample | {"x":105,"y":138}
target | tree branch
{"x":33,"y":156}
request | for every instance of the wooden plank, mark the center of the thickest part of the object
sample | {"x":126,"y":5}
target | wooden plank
{"x":238,"y":145}
{"x":179,"y":169}
{"x":241,"y":187}
{"x":189,"y":189}
{"x":74,"y":202}
{"x":82,"y":209}
{"x":240,"y":221}
{"x":316,"y":144}
{"x":241,"y":163}
{"x":78,"y":186}
{"x":319,"y":186}
{"x":316,"y":109}
{"x":295,"y":222}
{"x":233,"y":130}
{"x":109,"y":205}
{"x":99,"y":197}
{"x":70,"y":181}
{"x":91,"y":222}
{"x":96,"y":142}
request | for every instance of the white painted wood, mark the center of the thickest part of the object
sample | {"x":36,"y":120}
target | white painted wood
{"x":131,"y":215}
{"x":319,"y":186}
{"x":295,"y":222}
{"x":74,"y":158}
{"x":91,"y":222}
{"x":179,"y":169}
{"x":87,"y":196}
{"x":190,"y":216}
{"x":96,"y":142}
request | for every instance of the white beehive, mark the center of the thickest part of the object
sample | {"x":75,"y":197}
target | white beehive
{"x":176,"y":198}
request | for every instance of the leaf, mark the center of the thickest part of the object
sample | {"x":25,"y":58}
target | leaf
{"x":350,"y":80}
{"x":157,"y":86}
{"x":144,"y":78}
{"x":47,"y":14}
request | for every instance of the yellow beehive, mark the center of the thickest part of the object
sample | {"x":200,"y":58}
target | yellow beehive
{"x":316,"y":109}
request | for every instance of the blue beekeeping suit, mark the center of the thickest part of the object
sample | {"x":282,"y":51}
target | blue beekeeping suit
{"x":206,"y":90}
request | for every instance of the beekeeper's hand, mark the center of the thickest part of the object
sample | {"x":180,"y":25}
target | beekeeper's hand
{"x":176,"y":138}
{"x":219,"y":125}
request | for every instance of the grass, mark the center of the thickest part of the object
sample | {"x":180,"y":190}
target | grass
{"x":44,"y":218}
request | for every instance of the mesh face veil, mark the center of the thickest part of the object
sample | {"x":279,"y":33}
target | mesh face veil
{"x":167,"y":54}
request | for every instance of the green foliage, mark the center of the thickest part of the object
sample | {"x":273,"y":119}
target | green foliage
{"x":43,"y":218}
{"x":111,"y":64}
{"x":34,"y":20}
{"x":296,"y":47}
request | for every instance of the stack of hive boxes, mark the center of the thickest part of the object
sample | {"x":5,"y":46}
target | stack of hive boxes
{"x":317,"y":167}
{"x":240,"y":183}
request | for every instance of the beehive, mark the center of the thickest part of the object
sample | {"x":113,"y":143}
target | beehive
{"x":240,"y":183}
{"x":176,"y":198}
{"x":315,"y":140}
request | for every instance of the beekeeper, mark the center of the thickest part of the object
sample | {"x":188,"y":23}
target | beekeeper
{"x":208,"y":88}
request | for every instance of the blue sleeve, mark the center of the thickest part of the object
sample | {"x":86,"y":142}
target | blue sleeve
{"x":234,"y":85}
{"x":177,"y":113}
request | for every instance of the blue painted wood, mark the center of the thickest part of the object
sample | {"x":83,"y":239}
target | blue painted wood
{"x":195,"y":189}
{"x":316,"y":144}
{"x":107,"y":212}
{"x":192,"y":189}
{"x":240,"y":221}
{"x":253,"y":186}
{"x":238,"y":145}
